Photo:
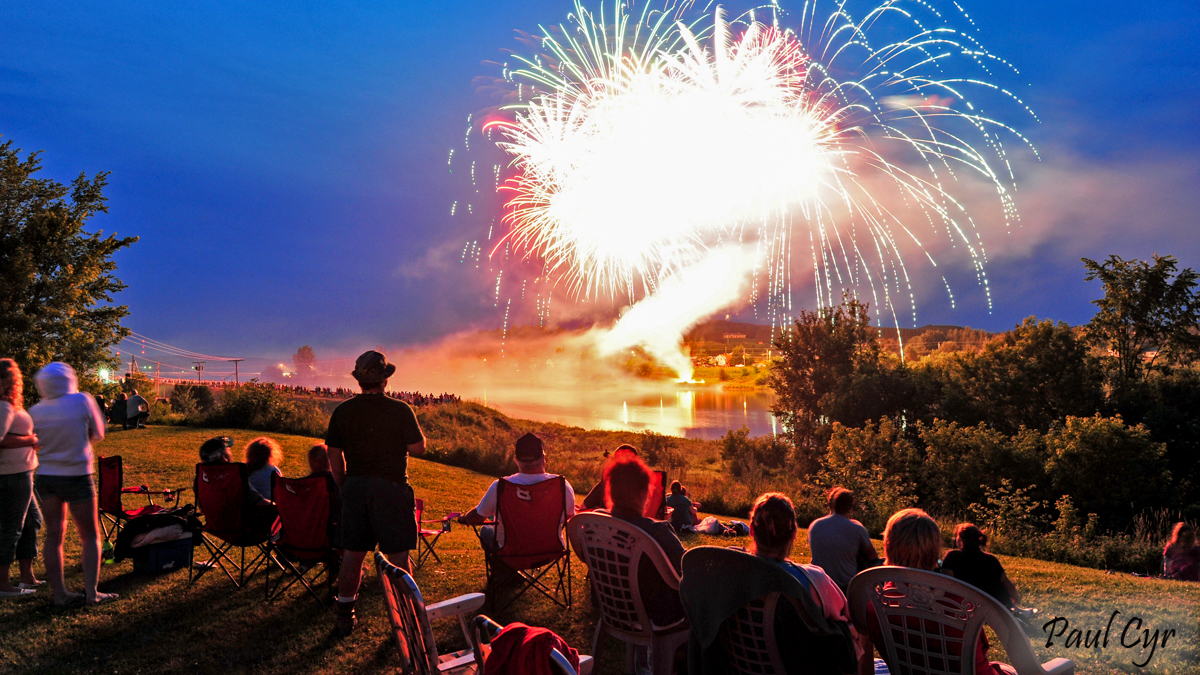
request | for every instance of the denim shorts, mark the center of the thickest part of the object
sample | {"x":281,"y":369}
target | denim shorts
{"x":70,"y":489}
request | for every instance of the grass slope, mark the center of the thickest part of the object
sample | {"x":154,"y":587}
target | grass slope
{"x":163,"y":624}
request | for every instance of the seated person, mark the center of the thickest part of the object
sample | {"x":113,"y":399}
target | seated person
{"x":137,"y":411}
{"x":530,"y":455}
{"x":913,"y":539}
{"x":261,"y":511}
{"x":263,"y":456}
{"x":117,"y":414}
{"x":840,"y":545}
{"x":1181,"y":556}
{"x":627,"y":480}
{"x":595,"y":497}
{"x":970,"y":563}
{"x":683,"y":515}
{"x":773,"y":529}
{"x":318,"y":460}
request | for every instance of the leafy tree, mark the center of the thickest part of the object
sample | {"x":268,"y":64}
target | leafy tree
{"x":57,"y":278}
{"x":959,"y":461}
{"x":304,"y":358}
{"x":1033,"y":376}
{"x":1108,"y":468}
{"x":820,"y":351}
{"x":1147,"y":320}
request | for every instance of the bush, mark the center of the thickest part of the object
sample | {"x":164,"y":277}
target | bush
{"x":746,"y":454}
{"x":192,"y":398}
{"x":263,"y":407}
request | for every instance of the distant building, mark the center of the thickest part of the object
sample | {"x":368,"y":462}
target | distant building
{"x":721,"y":360}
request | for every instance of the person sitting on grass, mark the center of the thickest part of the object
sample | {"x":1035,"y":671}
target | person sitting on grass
{"x":839,"y":544}
{"x":970,"y":563}
{"x":913,"y":539}
{"x":595,"y":497}
{"x":683,"y":515}
{"x":263,"y":456}
{"x":137,"y":411}
{"x":318,"y":460}
{"x":530,"y":455}
{"x":1181,"y":556}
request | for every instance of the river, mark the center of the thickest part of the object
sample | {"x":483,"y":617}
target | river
{"x":676,"y":410}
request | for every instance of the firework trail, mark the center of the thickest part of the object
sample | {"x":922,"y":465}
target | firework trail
{"x":674,"y":158}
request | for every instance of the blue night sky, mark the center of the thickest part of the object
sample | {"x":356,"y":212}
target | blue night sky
{"x":284,"y":162}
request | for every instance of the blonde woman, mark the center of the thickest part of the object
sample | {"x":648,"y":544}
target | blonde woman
{"x":20,"y":518}
{"x":263,"y":456}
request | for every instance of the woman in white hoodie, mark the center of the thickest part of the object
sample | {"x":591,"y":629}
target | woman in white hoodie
{"x":67,"y":423}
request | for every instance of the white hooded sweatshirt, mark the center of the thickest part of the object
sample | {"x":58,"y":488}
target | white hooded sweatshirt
{"x":66,"y":423}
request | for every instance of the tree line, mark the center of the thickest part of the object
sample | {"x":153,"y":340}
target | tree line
{"x":1105,"y":416}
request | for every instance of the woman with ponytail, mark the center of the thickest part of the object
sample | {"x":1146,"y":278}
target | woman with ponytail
{"x":969,"y":562}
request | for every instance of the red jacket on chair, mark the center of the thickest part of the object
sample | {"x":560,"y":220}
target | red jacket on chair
{"x":525,"y":650}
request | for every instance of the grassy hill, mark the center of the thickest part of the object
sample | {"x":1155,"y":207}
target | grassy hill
{"x":163,"y":624}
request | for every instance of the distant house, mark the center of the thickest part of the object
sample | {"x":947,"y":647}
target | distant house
{"x":721,"y":360}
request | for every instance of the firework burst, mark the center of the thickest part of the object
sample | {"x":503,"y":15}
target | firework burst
{"x":647,"y":145}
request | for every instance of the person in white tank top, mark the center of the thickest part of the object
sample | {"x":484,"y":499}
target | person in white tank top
{"x":20,"y":518}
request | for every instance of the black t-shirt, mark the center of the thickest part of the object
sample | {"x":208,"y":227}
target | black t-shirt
{"x":374,"y":431}
{"x":980,"y":569}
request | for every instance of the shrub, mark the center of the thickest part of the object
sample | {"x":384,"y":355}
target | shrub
{"x":263,"y":407}
{"x":192,"y":398}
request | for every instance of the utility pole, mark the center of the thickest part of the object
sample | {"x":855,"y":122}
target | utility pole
{"x":199,"y":369}
{"x":235,"y":363}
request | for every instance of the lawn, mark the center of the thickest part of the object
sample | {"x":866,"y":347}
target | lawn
{"x":161,"y":623}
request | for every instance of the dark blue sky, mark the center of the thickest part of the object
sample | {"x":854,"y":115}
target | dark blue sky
{"x":283,"y":162}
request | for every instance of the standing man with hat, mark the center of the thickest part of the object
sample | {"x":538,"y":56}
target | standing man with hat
{"x":531,"y":465}
{"x":370,"y":438}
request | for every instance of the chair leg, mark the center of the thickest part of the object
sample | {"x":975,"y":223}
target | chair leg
{"x":597,"y":638}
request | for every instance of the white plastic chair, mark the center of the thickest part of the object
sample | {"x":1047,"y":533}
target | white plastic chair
{"x":612,"y":549}
{"x":410,"y":618}
{"x":931,"y":623}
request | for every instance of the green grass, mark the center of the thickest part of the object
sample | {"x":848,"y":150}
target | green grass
{"x":163,"y":624}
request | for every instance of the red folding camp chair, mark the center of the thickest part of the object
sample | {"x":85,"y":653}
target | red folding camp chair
{"x":656,"y":503}
{"x":221,"y":496}
{"x":111,"y":488}
{"x":428,"y":538}
{"x":530,"y":542}
{"x":309,"y":509}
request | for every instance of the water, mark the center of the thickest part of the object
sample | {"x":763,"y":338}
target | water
{"x":691,"y":412}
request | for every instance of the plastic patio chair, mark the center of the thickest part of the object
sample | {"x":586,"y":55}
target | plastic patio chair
{"x":930,"y":623}
{"x":529,"y":541}
{"x":410,"y":618}
{"x":221,"y":491}
{"x":613,"y":550}
{"x":484,"y":630}
{"x":309,"y":509}
{"x":110,"y":489}
{"x":426,"y":538}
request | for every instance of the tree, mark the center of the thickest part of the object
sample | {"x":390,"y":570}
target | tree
{"x":304,"y":357}
{"x":57,"y":278}
{"x":818,"y":353}
{"x":1147,"y":320}
{"x":1033,"y":376}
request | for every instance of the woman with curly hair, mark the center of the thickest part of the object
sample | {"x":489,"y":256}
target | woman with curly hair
{"x":263,"y":456}
{"x":1181,"y":556}
{"x":20,"y":518}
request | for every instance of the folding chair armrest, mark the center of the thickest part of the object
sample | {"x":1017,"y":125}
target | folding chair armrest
{"x":135,"y":490}
{"x":483,"y":626}
{"x":564,"y":666}
{"x":1059,"y":667}
{"x":463,"y":604}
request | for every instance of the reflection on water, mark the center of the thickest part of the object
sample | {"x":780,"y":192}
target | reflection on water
{"x":700,"y":412}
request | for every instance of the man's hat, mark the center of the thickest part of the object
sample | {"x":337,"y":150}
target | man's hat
{"x":214,"y":448}
{"x":529,"y":448}
{"x":372,"y":367}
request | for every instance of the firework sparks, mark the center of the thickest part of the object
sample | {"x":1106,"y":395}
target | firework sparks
{"x":650,"y":151}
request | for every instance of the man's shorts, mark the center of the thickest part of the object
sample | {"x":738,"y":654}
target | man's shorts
{"x":69,"y":489}
{"x":377,"y":511}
